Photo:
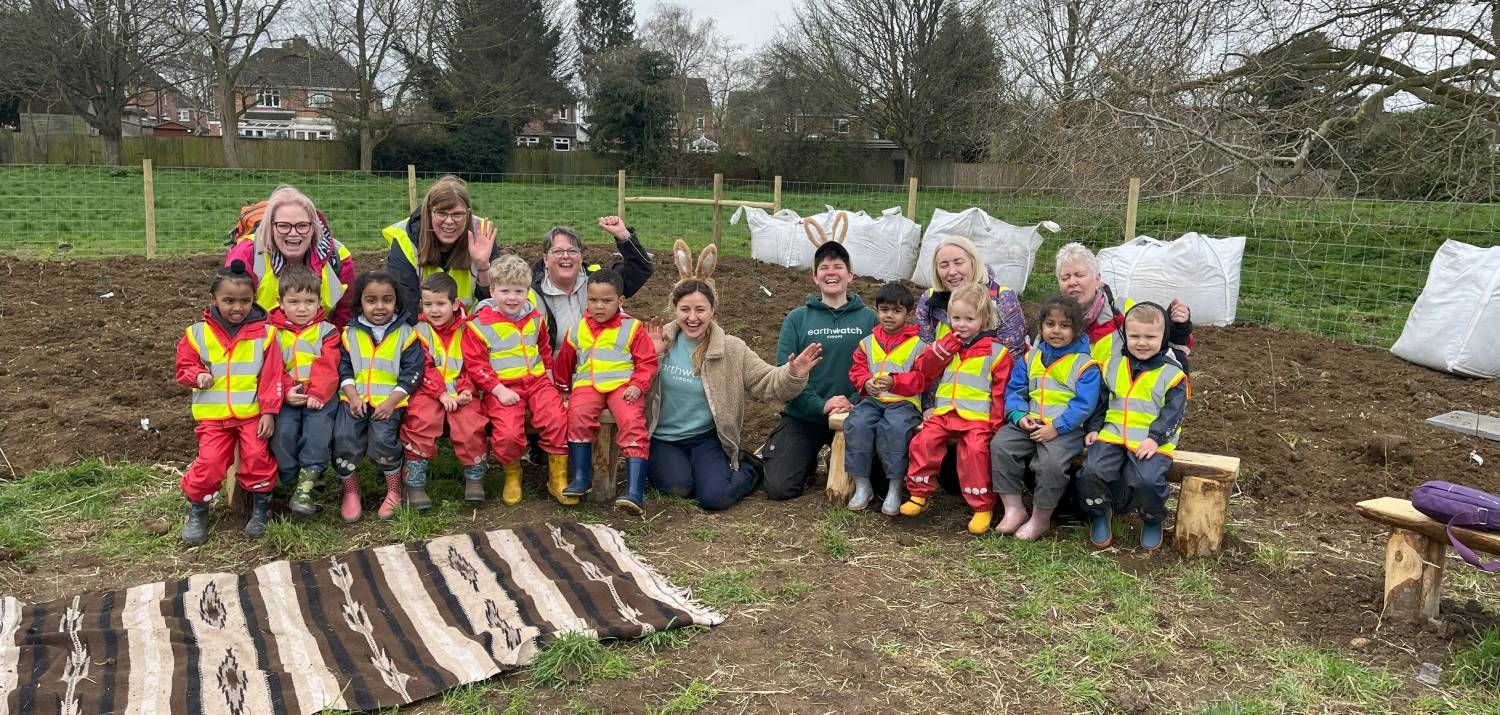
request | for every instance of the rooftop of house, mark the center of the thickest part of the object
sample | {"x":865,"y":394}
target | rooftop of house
{"x":296,"y":63}
{"x":694,"y":97}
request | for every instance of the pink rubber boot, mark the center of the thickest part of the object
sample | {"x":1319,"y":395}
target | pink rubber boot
{"x":392,"y":501}
{"x":351,"y":510}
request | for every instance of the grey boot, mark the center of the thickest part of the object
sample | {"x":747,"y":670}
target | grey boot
{"x":474,"y":482}
{"x":416,"y":485}
{"x":893,"y":497}
{"x":195,"y":529}
{"x":863,"y":492}
{"x":260,"y":513}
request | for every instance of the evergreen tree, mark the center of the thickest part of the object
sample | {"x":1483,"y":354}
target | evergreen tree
{"x":631,"y":106}
{"x":504,"y":62}
{"x":603,"y":25}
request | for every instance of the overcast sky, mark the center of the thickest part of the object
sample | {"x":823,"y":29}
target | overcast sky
{"x":748,"y":22}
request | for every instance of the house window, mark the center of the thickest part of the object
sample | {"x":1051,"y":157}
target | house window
{"x":268,"y":97}
{"x":698,"y":124}
{"x":562,"y":114}
{"x":562,"y":144}
{"x":841,"y":126}
{"x":528,"y":141}
{"x":319,"y":100}
{"x":184,"y":115}
{"x":325,"y":134}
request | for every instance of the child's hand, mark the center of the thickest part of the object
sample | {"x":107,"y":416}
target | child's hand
{"x":385,"y":409}
{"x":1044,"y":434}
{"x":1090,"y":438}
{"x":297,"y":396}
{"x":505,"y":395}
{"x":927,"y":413}
{"x":1147,"y":449}
{"x":631,"y":394}
{"x":448,"y":402}
{"x":204,"y":380}
{"x":315,"y":404}
{"x":465,"y":397}
{"x":266,"y":427}
{"x":883,"y":382}
{"x":1029,"y":423}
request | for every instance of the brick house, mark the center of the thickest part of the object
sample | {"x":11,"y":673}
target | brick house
{"x":287,"y":90}
{"x":694,"y":124}
{"x":563,"y":130}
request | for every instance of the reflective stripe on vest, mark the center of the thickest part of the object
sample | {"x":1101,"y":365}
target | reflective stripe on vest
{"x":377,"y":368}
{"x":604,"y":361}
{"x":1107,"y":347}
{"x":513,"y":352}
{"x":1134,"y":405}
{"x":1052,"y":386}
{"x":449,"y":358}
{"x":899,"y":359}
{"x":301,"y":348}
{"x":268,"y":291}
{"x":236,"y":374}
{"x":463,"y":276}
{"x":967,"y":386}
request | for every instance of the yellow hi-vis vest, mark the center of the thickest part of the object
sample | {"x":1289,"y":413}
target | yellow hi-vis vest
{"x":514,"y":352}
{"x":448,"y":358}
{"x":462,"y":275}
{"x":1134,"y":405}
{"x":268,"y":292}
{"x":604,"y":360}
{"x":899,"y":359}
{"x":301,"y":348}
{"x":376,"y":367}
{"x":1051,"y":386}
{"x":236,"y":374}
{"x":966,"y":385}
{"x":1108,"y":346}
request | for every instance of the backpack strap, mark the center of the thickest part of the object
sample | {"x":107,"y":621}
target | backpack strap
{"x":1468,"y":555}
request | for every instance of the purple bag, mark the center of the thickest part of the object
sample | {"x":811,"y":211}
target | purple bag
{"x":1458,"y":505}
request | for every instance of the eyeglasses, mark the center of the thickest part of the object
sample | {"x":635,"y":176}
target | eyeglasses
{"x":564,"y":252}
{"x":286,"y":227}
{"x":446,"y":216}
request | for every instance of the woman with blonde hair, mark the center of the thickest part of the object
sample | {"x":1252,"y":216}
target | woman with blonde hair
{"x":443,"y":236}
{"x":956,"y":263}
{"x":293,"y":232}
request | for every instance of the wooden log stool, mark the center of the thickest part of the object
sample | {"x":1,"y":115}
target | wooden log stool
{"x":606,"y":460}
{"x":1414,"y":556}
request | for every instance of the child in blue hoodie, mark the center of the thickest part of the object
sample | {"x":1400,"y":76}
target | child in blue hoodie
{"x":1049,"y":398}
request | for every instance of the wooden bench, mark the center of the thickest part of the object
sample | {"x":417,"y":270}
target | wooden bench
{"x":1202,"y":505}
{"x":1414,"y":556}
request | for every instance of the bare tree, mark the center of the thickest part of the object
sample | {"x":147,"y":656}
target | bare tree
{"x":229,"y":31}
{"x":689,"y":42}
{"x":730,"y":70}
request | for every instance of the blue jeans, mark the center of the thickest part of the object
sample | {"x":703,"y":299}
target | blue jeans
{"x":883,"y":429}
{"x":697,"y":468}
{"x":302,"y":439}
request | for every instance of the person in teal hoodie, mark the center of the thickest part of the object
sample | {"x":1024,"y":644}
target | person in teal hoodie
{"x":838,"y":321}
{"x":1048,"y":400}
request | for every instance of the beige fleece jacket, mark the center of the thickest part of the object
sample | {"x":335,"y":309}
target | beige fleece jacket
{"x":731,"y":370}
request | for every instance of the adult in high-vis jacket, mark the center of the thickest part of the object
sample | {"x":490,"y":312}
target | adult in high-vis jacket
{"x":442,"y":236}
{"x":293,"y":232}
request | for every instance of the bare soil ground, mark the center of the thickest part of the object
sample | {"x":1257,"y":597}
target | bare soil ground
{"x":835,"y":611}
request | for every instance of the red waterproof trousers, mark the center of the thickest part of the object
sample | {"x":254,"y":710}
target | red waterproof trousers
{"x":508,"y":424}
{"x":931,"y":443}
{"x":584,"y":407}
{"x":217,"y":442}
{"x":424,"y":423}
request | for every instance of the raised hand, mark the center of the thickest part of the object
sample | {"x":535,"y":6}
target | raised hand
{"x":802,"y":363}
{"x":614,"y":227}
{"x":482,"y":241}
{"x":658,"y":337}
{"x":1178,"y":311}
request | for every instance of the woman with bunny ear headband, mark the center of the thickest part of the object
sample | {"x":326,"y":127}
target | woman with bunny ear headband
{"x":697,"y":405}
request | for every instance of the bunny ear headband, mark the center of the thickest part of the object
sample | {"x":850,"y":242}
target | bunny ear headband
{"x":708,"y":260}
{"x":838,"y":228}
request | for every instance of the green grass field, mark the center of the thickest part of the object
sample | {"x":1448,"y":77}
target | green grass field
{"x":1348,"y":268}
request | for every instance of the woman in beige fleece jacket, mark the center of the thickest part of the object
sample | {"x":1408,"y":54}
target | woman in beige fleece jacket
{"x":698,"y":401}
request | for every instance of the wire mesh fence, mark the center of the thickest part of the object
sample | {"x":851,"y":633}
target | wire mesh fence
{"x":1334,"y":266}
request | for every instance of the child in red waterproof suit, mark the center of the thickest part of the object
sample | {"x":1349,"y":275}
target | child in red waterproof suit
{"x":310,"y":381}
{"x":509,"y":357}
{"x":969,"y":405}
{"x":446,"y":397}
{"x":608,"y":360}
{"x":232,"y":362}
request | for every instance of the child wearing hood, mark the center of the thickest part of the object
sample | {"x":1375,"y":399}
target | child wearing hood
{"x":1134,"y":430}
{"x":1051,"y":394}
{"x":310,"y":380}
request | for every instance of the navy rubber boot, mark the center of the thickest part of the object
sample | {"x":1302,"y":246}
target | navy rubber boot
{"x":1101,"y":531}
{"x":581,"y":466}
{"x":1151,"y":535}
{"x":634,"y":498}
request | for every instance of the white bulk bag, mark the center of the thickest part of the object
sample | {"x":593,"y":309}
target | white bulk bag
{"x":1009,"y":250}
{"x":1202,"y":272}
{"x":776,"y":238}
{"x":883,"y":248}
{"x":1455,"y":324}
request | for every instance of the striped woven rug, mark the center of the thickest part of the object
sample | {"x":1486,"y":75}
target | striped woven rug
{"x":358,"y":631}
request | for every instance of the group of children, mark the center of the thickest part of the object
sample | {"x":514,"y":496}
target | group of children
{"x":1010,"y":413}
{"x":287,"y":391}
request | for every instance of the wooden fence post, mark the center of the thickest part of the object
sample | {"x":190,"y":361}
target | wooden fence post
{"x":1132,"y":204}
{"x":411,"y":186}
{"x":776,"y":195}
{"x":911,"y":199}
{"x":718,"y":207}
{"x":620,"y":195}
{"x":148,"y":184}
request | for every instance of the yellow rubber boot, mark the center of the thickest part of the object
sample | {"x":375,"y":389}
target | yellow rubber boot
{"x":914,"y":506}
{"x":980,"y":522}
{"x":557,"y":479}
{"x":510,"y":494}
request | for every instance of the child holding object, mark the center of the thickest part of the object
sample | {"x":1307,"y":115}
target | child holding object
{"x":1050,"y":396}
{"x":380,"y":368}
{"x":1134,"y":430}
{"x":607,"y":360}
{"x":446,"y":398}
{"x":233,"y":363}
{"x":883,"y":422}
{"x":310,"y":355}
{"x":969,"y":405}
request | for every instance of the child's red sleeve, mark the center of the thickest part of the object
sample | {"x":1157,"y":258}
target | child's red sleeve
{"x":323,"y":384}
{"x":859,"y":372}
{"x":268,"y":389}
{"x":934,"y":360}
{"x":999,"y":376}
{"x":189,"y":365}
{"x":643,"y":353}
{"x":563,"y":365}
{"x":908,"y":384}
{"x":477,"y":361}
{"x":433,"y":384}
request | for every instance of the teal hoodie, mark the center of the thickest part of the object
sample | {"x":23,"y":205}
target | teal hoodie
{"x":839,"y":330}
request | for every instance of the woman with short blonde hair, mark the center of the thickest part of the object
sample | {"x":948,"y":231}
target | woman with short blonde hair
{"x":293,"y":232}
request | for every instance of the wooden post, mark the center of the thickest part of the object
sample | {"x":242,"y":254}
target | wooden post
{"x":718,"y":207}
{"x":620,"y":195}
{"x":233,"y":499}
{"x":1201,"y":509}
{"x":149,"y":188}
{"x":1413,"y":576}
{"x":911,"y":198}
{"x":606,"y":461}
{"x":1132,"y":203}
{"x":840,"y":486}
{"x":411,"y":186}
{"x":776,"y":195}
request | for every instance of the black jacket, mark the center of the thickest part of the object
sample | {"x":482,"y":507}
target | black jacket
{"x":409,"y":279}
